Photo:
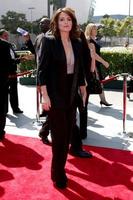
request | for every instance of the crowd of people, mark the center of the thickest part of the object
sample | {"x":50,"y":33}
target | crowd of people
{"x":65,"y":58}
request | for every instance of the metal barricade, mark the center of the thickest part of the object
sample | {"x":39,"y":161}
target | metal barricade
{"x":124,"y":76}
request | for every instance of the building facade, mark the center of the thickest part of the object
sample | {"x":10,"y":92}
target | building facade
{"x":84,"y":9}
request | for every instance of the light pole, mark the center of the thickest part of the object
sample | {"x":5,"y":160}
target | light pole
{"x":31,"y":12}
{"x":48,"y":8}
{"x":129,"y":6}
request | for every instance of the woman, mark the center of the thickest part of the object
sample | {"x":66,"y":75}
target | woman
{"x":130,"y":86}
{"x":91,"y":33}
{"x":60,"y":73}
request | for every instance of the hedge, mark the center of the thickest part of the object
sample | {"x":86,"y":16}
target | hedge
{"x":28,"y":64}
{"x":119,"y":58}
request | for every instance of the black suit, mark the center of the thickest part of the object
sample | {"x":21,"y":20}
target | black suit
{"x":5,"y":60}
{"x":87,"y":66}
{"x":62,"y":90}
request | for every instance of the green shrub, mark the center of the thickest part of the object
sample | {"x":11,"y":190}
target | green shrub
{"x":119,"y":58}
{"x":26,"y":65}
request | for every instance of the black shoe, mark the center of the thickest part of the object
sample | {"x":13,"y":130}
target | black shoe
{"x":17,"y":111}
{"x":61,"y":184}
{"x":45,"y":140}
{"x":43,"y":133}
{"x":81,"y":154}
{"x":128,"y":96}
{"x":2,"y":135}
{"x":105,"y":103}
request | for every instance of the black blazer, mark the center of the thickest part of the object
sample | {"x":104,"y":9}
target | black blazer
{"x":5,"y":57}
{"x":52,"y":69}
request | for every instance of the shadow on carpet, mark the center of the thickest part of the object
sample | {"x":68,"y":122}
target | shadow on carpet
{"x":25,"y":173}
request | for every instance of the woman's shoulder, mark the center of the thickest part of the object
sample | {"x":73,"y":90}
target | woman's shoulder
{"x":77,"y":41}
{"x":49,"y":36}
{"x":48,"y":39}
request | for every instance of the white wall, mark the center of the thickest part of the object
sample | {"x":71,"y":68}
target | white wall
{"x":81,"y":8}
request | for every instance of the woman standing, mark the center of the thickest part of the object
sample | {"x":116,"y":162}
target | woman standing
{"x":60,"y":75}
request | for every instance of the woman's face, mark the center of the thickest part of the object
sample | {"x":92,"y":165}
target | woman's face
{"x":64,"y":22}
{"x":94,"y":31}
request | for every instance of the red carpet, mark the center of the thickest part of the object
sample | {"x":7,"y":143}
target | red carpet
{"x":25,"y":173}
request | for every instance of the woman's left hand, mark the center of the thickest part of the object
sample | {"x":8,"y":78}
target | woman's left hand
{"x":83,"y":94}
{"x":46,"y":104}
{"x":106,"y":64}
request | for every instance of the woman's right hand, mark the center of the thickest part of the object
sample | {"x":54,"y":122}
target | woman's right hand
{"x":46,"y":104}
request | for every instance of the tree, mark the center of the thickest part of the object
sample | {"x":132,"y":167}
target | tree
{"x":12,"y":20}
{"x":108,"y":30}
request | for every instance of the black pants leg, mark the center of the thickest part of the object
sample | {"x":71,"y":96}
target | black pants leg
{"x":13,"y":92}
{"x":61,"y":123}
{"x":44,"y":131}
{"x":3,"y":103}
{"x":2,"y":125}
{"x":83,"y":116}
{"x":76,"y":142}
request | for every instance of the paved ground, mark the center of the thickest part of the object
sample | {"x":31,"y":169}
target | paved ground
{"x":105,"y":124}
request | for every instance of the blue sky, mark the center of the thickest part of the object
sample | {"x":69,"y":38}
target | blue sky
{"x":113,"y":7}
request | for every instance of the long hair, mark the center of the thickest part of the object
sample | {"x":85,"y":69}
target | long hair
{"x":88,"y":30}
{"x":75,"y":31}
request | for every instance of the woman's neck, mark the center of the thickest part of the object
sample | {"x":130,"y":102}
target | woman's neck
{"x":65,"y":36}
{"x":93,"y":37}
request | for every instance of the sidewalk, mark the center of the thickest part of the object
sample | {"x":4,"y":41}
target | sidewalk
{"x":105,"y":124}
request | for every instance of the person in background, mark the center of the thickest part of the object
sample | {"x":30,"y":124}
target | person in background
{"x":95,"y":60}
{"x":44,"y":25}
{"x":130,"y":82}
{"x":130,"y":86}
{"x":60,"y":74}
{"x":82,"y":129}
{"x":12,"y":82}
{"x":5,"y":63}
{"x":91,"y":33}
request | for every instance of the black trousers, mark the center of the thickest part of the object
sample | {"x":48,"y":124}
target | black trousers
{"x":82,"y":115}
{"x":61,"y":123}
{"x":13,"y":93}
{"x":75,"y":140}
{"x":3,"y":101}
